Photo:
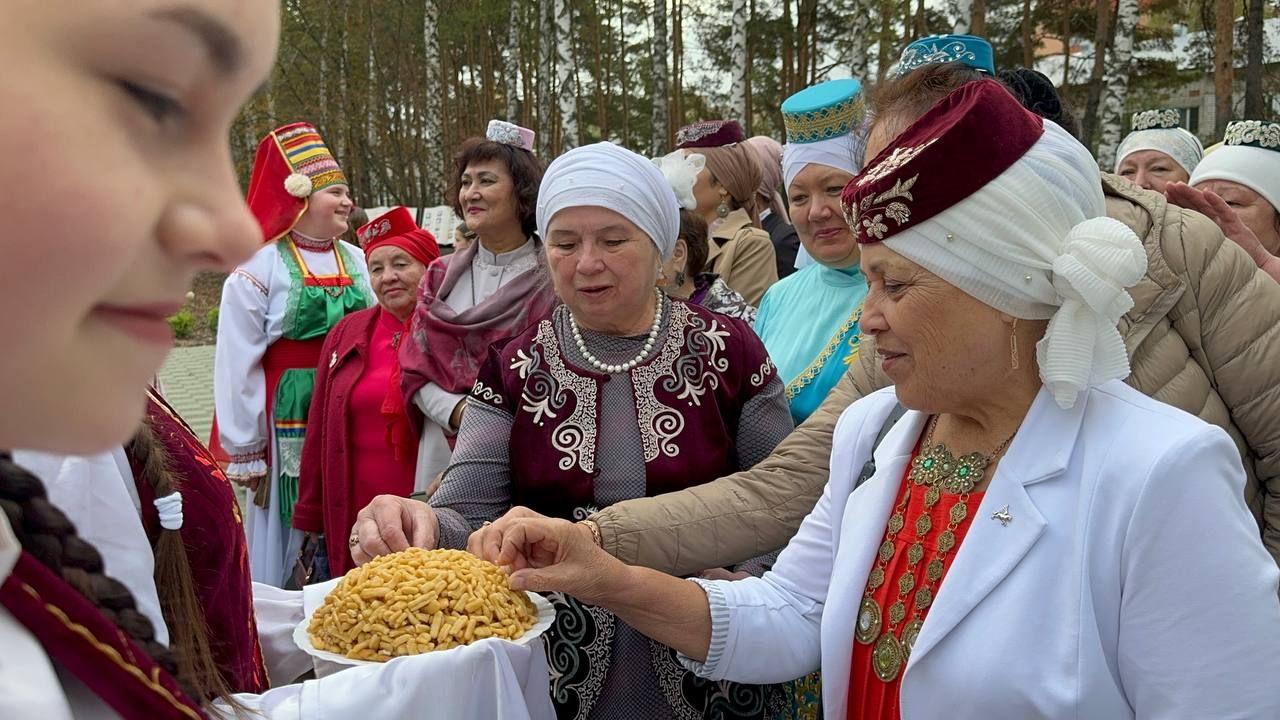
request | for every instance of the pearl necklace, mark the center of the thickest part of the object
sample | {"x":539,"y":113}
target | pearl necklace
{"x":627,"y":366}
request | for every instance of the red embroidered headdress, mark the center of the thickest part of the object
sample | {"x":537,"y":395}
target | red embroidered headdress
{"x":964,"y":142}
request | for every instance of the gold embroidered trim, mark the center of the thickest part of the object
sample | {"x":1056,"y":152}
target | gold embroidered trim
{"x":114,"y":655}
{"x":815,"y":368}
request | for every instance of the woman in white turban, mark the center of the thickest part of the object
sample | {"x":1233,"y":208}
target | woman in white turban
{"x":620,"y":392}
{"x":1031,"y":537}
{"x":1238,"y":187}
{"x":1159,"y":151}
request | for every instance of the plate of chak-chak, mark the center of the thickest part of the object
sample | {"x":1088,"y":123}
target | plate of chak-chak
{"x":418,"y":601}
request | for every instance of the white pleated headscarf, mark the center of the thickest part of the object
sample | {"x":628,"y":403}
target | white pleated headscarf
{"x":1035,"y":243}
{"x":1180,"y":145}
{"x":608,"y":176}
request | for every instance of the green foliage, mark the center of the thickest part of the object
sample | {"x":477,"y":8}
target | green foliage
{"x":211,"y":319}
{"x":183,"y":323}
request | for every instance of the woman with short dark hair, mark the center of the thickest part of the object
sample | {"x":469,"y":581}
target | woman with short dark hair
{"x":484,"y":293}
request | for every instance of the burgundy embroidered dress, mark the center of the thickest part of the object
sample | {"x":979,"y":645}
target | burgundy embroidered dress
{"x":544,"y":430}
{"x":213,"y":534}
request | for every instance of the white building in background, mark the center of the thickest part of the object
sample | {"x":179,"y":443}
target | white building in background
{"x":1190,"y":51}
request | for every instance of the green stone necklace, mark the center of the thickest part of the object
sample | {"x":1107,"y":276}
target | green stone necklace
{"x":937,"y":470}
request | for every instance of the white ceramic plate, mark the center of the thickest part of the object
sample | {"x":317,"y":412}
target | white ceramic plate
{"x":546,"y":615}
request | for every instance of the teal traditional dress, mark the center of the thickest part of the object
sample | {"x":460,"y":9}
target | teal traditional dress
{"x":809,"y":323}
{"x":276,"y":311}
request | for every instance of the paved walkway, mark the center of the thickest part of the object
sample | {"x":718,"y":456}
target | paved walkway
{"x":187,"y":377}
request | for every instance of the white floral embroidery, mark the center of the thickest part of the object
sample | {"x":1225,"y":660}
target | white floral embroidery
{"x":576,"y":436}
{"x":899,"y":157}
{"x":1253,"y":132}
{"x":659,"y":424}
{"x":760,"y":377}
{"x":715,"y":335}
{"x":522,"y":364}
{"x":486,"y":393}
{"x":1156,"y":119}
{"x":380,"y":228}
{"x":885,"y":205}
{"x":920,"y":53}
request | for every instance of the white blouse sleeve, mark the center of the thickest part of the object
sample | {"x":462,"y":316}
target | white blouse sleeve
{"x":437,"y":404}
{"x":239,"y":384}
{"x":766,"y":629}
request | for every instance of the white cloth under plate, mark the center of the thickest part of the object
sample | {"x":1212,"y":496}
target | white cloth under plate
{"x":1256,"y":168}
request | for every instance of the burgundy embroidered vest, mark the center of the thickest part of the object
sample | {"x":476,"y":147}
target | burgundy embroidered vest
{"x":688,"y":399}
{"x":82,"y":640}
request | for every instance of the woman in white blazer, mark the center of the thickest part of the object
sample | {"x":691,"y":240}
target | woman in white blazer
{"x":1035,"y":539}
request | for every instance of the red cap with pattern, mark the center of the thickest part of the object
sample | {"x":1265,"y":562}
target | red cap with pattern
{"x":396,"y":227}
{"x":961,"y":144}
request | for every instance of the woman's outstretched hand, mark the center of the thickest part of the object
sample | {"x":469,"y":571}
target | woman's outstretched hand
{"x":548,"y":555}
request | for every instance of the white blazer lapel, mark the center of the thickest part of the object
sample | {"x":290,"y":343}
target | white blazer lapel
{"x":860,"y":529}
{"x":1007,"y":523}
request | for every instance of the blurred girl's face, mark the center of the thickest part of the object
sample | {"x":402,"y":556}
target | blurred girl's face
{"x":114,"y":138}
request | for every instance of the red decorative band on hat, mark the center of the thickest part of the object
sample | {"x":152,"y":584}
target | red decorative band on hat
{"x":961,"y":144}
{"x":396,"y":227}
{"x":709,"y":133}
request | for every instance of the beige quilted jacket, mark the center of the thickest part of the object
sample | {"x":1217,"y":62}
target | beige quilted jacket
{"x":1203,"y":335}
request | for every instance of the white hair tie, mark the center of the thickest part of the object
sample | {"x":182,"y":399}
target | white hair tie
{"x":1101,"y":257}
{"x":170,"y":509}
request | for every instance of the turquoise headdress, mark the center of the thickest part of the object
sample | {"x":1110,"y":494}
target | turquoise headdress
{"x":968,"y":50}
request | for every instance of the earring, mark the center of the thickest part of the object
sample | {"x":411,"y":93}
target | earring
{"x":680,"y":278}
{"x":1013,"y":345}
{"x":662,"y":279}
{"x":722,"y":210}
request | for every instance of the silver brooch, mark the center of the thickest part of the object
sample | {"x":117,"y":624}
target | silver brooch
{"x":1003,"y":516}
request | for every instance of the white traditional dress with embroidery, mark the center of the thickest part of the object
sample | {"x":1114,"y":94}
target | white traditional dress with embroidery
{"x":255,"y":301}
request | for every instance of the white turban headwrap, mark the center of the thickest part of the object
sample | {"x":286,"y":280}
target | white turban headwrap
{"x":1182,"y":146}
{"x":842,"y":153}
{"x":1256,"y":168}
{"x":1034,"y":243}
{"x":608,"y":176}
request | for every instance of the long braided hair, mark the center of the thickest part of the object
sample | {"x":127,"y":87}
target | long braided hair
{"x":179,"y":601}
{"x":51,"y":538}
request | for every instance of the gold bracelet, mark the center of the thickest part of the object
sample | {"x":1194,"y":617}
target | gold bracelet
{"x":595,"y":531}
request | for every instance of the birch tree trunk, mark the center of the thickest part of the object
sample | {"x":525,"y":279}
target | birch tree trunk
{"x":859,"y":38}
{"x":738,"y":61}
{"x":1119,"y":64}
{"x":1254,"y":102}
{"x":1223,"y":69}
{"x":658,"y":142}
{"x":962,"y":11}
{"x":1100,"y":37}
{"x":566,"y":76}
{"x":546,"y":54}
{"x":511,"y":75}
{"x":433,"y":90}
